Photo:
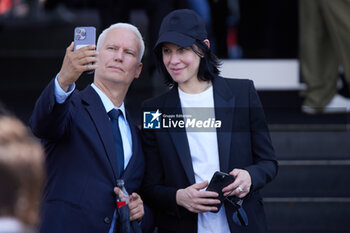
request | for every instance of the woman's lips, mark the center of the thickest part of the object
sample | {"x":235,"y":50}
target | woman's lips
{"x":176,"y":70}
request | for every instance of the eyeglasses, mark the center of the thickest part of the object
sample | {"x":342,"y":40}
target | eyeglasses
{"x":239,"y":216}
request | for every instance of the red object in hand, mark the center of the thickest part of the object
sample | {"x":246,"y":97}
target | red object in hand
{"x":121,"y":204}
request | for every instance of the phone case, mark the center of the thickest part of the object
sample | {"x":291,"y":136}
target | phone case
{"x":217,"y":183}
{"x":84,"y":36}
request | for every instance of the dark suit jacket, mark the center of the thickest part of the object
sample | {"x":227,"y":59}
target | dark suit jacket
{"x":81,"y":162}
{"x":243,"y":142}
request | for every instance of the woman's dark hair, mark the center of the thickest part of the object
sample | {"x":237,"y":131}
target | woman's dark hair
{"x":208,"y":66}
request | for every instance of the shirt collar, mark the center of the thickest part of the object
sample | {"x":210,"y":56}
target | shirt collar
{"x":107,"y":103}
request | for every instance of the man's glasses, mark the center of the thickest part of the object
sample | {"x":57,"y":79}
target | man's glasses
{"x":239,"y":216}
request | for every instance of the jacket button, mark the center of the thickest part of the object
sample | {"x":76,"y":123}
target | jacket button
{"x":107,"y":220}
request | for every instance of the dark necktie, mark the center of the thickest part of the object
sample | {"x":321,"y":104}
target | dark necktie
{"x":114,"y":115}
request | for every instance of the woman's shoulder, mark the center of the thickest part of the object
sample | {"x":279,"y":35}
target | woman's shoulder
{"x":234,"y":83}
{"x":235,"y":80}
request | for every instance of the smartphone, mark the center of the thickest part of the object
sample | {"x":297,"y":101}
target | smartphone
{"x":217,"y":183}
{"x":84,"y":36}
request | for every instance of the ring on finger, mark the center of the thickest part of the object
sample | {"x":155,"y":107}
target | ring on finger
{"x":239,"y":188}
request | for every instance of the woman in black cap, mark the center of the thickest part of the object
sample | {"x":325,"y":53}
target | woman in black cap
{"x":205,"y":123}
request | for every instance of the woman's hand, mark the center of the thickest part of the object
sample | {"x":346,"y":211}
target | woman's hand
{"x":195,"y":200}
{"x":241,"y":186}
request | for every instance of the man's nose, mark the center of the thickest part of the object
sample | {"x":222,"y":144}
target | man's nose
{"x":118,"y":55}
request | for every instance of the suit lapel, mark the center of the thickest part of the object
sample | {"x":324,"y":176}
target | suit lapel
{"x":97,"y":112}
{"x":179,"y":136}
{"x":224,"y":102}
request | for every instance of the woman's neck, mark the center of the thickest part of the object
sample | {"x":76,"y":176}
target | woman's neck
{"x":194,"y":88}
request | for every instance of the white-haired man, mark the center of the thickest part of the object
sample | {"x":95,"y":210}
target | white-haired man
{"x":87,"y":148}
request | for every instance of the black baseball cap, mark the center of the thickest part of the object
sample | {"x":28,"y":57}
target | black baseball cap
{"x":182,"y":27}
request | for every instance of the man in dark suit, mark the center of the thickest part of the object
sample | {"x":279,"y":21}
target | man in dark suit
{"x":82,"y":154}
{"x":205,"y":123}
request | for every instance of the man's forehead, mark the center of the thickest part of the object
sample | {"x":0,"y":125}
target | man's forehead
{"x":122,"y":35}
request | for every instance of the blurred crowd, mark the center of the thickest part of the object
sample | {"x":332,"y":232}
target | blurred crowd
{"x":222,"y":16}
{"x":21,"y":176}
{"x":238,"y":31}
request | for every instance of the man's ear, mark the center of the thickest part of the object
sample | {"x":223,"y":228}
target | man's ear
{"x":207,"y":42}
{"x":138,"y":71}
